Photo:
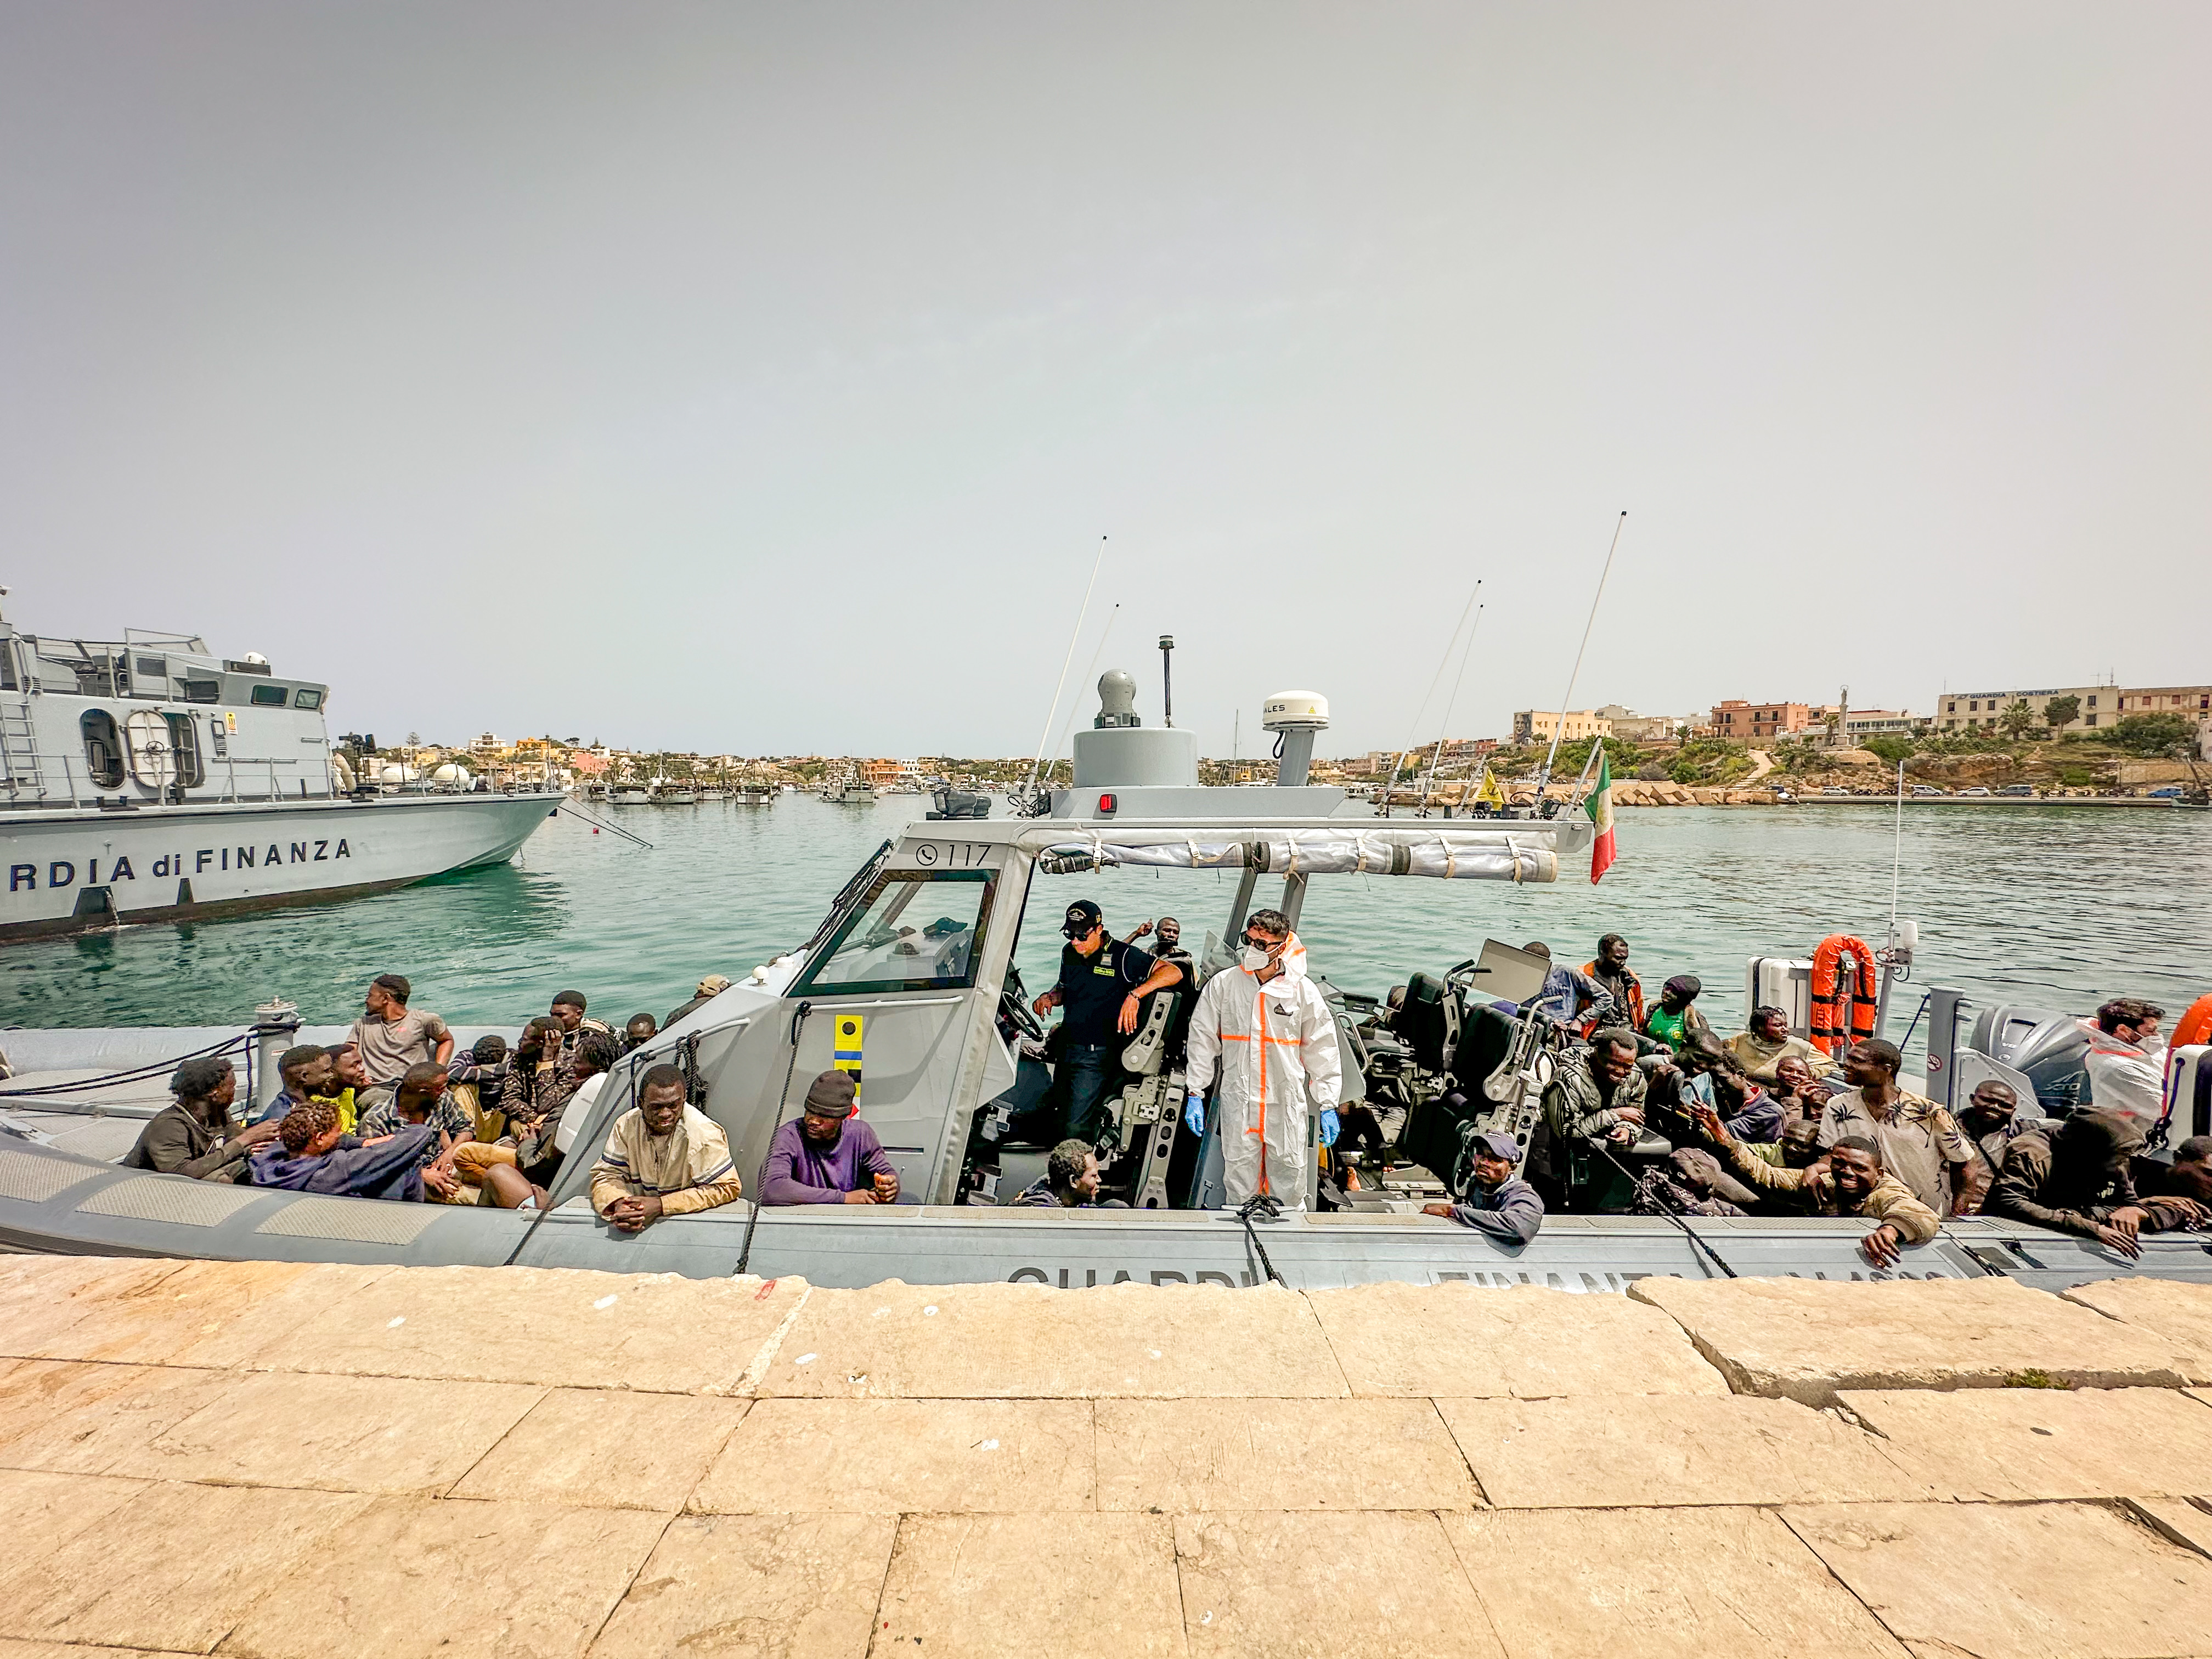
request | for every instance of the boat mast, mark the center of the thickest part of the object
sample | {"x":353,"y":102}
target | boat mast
{"x":1444,"y":736}
{"x":1560,"y":725}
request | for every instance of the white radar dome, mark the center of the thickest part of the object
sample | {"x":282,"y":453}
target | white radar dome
{"x":1295,"y":711}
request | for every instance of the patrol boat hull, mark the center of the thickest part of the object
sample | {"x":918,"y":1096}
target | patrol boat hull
{"x":55,"y":1202}
{"x":71,"y":871}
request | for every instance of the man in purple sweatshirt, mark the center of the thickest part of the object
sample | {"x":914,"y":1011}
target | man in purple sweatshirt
{"x":829,"y":1156}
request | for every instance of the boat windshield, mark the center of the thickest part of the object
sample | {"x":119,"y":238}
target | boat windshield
{"x":917,"y":930}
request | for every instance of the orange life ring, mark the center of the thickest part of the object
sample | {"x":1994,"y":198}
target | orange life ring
{"x":2195,"y":1026}
{"x":1829,"y":1029}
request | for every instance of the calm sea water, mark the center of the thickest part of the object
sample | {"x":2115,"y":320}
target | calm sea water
{"x":2044,"y":905}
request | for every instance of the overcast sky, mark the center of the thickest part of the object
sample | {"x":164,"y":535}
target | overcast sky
{"x":762,"y":377}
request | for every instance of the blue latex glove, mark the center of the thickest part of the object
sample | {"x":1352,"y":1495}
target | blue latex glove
{"x":1194,"y":1113}
{"x":1328,"y":1126}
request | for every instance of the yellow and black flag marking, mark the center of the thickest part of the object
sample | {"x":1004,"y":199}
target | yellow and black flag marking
{"x":845,"y":1049}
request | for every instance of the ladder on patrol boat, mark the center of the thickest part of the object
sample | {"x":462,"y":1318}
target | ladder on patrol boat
{"x":19,"y":751}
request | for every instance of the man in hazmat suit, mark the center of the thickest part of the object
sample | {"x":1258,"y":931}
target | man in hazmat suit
{"x":1263,"y":1027}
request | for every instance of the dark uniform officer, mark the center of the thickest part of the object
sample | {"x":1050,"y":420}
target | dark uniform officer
{"x":1102,"y":980}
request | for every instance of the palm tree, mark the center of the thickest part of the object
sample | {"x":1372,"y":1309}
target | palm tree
{"x":2016,"y":718}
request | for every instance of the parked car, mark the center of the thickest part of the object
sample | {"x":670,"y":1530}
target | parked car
{"x":1976,"y":790}
{"x":2170,"y":792}
{"x":1835,"y":789}
{"x":1927,"y":789}
{"x":2027,"y":789}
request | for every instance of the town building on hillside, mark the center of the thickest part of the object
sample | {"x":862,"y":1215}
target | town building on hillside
{"x":2095,"y":706}
{"x":1860,"y":724}
{"x":2191,"y":702}
{"x":1633,"y":727}
{"x":1537,"y":724}
{"x":1758,"y":722}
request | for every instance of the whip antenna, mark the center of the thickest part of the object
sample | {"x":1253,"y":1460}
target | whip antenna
{"x":1072,"y":711}
{"x":1444,"y":736}
{"x":1560,"y":725}
{"x":1045,"y":736}
{"x":1434,"y":680}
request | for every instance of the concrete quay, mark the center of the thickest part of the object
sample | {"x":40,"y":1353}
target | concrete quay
{"x":265,"y":1459}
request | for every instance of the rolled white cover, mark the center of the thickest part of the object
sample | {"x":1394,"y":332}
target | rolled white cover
{"x":1447,"y":851}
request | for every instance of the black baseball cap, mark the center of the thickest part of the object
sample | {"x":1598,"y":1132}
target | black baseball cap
{"x":1082,"y":916}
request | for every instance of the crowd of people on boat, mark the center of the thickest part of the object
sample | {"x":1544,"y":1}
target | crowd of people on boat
{"x":397,"y":1112}
{"x":1649,"y":1109}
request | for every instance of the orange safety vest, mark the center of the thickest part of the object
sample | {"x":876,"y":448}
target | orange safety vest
{"x":1831,"y":1031}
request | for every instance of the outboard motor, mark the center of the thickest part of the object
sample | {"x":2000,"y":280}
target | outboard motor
{"x":2050,"y":1049}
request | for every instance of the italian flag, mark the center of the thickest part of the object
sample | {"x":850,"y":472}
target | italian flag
{"x":1599,"y":805}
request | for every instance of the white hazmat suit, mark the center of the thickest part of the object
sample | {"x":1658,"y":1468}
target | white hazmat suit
{"x":1274,"y":1047}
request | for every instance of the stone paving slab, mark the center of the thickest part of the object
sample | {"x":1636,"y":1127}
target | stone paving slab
{"x":202,"y":1313}
{"x":2021,"y":1445}
{"x":1341,"y":1586}
{"x":1661,"y":1450}
{"x":1806,"y":1339}
{"x":366,"y":1434}
{"x":66,"y":1415}
{"x":2179,"y":1312}
{"x":2185,"y":1521}
{"x":41,"y":1297}
{"x":418,"y":1577}
{"x":1191,"y":1454}
{"x":564,"y":1326}
{"x":1526,"y":1341}
{"x":177,"y":1566}
{"x":750,"y":1586}
{"x":1003,"y":1587}
{"x":1718,"y":1583}
{"x":892,"y":1456}
{"x":2003,"y":1581}
{"x":607,"y":1447}
{"x":41,"y":1510}
{"x":1008,"y":1341}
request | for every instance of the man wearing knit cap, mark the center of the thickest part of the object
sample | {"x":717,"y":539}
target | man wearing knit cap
{"x":829,"y":1156}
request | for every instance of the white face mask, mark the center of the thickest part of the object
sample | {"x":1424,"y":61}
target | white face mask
{"x":1253,"y":960}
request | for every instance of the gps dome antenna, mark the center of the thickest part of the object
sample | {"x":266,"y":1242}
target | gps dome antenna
{"x":1045,"y":736}
{"x":1560,"y":725}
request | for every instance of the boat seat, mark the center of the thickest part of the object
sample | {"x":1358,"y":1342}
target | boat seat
{"x":1429,"y":1021}
{"x":1021,"y":1164}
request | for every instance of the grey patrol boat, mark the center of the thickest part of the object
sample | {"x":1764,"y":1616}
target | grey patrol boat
{"x":149,"y":779}
{"x":911,"y":980}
